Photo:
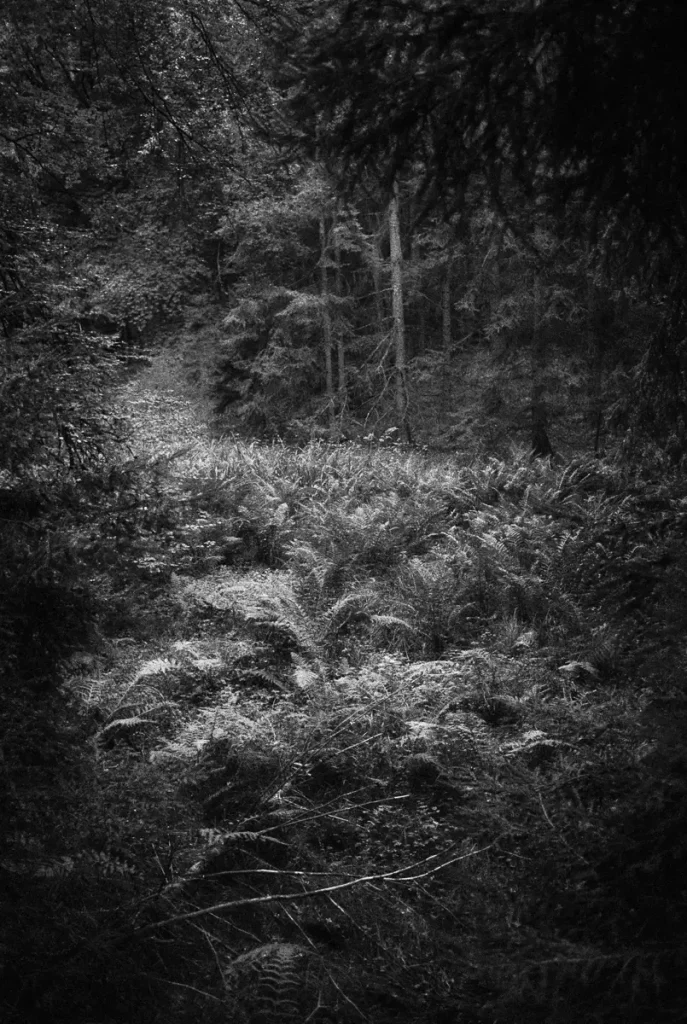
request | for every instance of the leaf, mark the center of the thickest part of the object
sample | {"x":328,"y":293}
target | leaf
{"x":127,"y":723}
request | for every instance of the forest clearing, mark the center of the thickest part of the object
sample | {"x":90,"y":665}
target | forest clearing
{"x":343,"y":512}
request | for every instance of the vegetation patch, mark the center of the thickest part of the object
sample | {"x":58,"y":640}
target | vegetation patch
{"x":396,"y":752}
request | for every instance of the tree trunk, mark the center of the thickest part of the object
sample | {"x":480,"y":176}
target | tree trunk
{"x":446,"y":296}
{"x":596,"y":369}
{"x":326,"y":323}
{"x":340,"y":339}
{"x":464,"y":274}
{"x":419,"y":304}
{"x":495,"y":278}
{"x":398,"y":318}
{"x":220,"y":286}
{"x":541,"y":445}
{"x":377,"y":262}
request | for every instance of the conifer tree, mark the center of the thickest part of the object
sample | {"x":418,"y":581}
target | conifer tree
{"x":576,"y":103}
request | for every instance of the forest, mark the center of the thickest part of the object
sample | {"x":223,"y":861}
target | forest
{"x":343,"y":511}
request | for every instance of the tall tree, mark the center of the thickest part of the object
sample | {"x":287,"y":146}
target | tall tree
{"x":326,"y":323}
{"x":340,"y":327}
{"x":396,"y":261}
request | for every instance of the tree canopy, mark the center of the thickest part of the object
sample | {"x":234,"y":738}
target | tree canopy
{"x":570,"y":97}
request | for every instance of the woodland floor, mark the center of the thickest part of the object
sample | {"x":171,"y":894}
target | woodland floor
{"x":360,"y":736}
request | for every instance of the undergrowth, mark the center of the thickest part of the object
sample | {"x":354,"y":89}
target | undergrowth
{"x":356,"y":734}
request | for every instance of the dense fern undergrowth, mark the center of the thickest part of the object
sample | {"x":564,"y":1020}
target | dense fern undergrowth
{"x":343,"y":733}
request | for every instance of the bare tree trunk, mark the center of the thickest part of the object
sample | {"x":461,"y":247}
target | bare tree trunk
{"x":541,"y":445}
{"x":495,"y":281}
{"x":422,"y":327}
{"x":398,"y":317}
{"x":377,"y":262}
{"x":220,"y":287}
{"x":340,"y":339}
{"x":596,"y":368}
{"x":446,"y":296}
{"x":464,"y":273}
{"x":420,"y":334}
{"x":445,"y":375}
{"x":326,"y":323}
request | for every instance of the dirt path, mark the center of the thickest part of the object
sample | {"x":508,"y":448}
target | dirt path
{"x":167,"y":413}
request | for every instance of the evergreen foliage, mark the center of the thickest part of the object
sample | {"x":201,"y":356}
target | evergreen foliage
{"x":547,"y":106}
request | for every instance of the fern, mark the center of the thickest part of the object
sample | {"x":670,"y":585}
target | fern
{"x":260,"y":675}
{"x":126,"y":725}
{"x":317,"y":577}
{"x":353,"y":607}
{"x":217,"y":837}
{"x":209,"y":726}
{"x":221,"y":849}
{"x":625,"y":977}
{"x":534,"y":747}
{"x":156,"y":667}
{"x":391,"y":629}
{"x":122,"y":705}
{"x":103,"y":863}
{"x":271,"y":984}
{"x":267,"y":603}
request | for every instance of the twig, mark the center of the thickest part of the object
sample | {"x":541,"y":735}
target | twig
{"x":319,"y":1006}
{"x":358,"y":743}
{"x":394,"y":876}
{"x":179,"y":984}
{"x":346,"y":998}
{"x":561,"y":837}
{"x":343,"y":912}
{"x":300,"y":928}
{"x":285,"y":872}
{"x":164,"y":874}
{"x":207,"y":938}
{"x":321,"y":813}
{"x":445,"y":864}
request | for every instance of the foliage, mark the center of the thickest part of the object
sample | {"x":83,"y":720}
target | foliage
{"x":408,"y":724}
{"x":341,"y":729}
{"x":537,"y":106}
{"x":147,"y":277}
{"x":504,"y":88}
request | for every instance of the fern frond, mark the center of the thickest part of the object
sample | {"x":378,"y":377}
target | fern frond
{"x":627,"y":974}
{"x":87,"y":691}
{"x":535,"y":747}
{"x":489,"y":544}
{"x":104,"y":863}
{"x":271,"y":983}
{"x":191,"y":647}
{"x":207,"y":664}
{"x":389,"y":621}
{"x":263,"y":601}
{"x":59,"y":867}
{"x":352,"y":607}
{"x":221,"y":839}
{"x":126,"y":724}
{"x":262,"y":675}
{"x":209,"y":726}
{"x":156,"y":667}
